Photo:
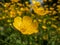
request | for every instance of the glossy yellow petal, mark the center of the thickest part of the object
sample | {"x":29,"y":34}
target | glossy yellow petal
{"x":27,"y":20}
{"x":14,"y":0}
{"x":17,"y":23}
{"x":32,"y":30}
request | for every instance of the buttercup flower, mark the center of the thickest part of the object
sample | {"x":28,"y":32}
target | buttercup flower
{"x":6,"y":4}
{"x":25,"y":25}
{"x":14,"y":0}
{"x":40,"y":11}
{"x":12,"y":13}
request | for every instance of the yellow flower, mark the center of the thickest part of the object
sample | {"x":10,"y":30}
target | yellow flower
{"x":44,"y":27}
{"x":25,"y":25}
{"x":37,"y":3}
{"x":8,"y":20}
{"x":3,"y":17}
{"x":40,"y":11}
{"x":54,"y":4}
{"x":26,"y":2}
{"x":6,"y":4}
{"x":39,"y":20}
{"x":6,"y":11}
{"x":58,"y":8}
{"x":27,"y":9}
{"x":54,"y":12}
{"x":45,"y":6}
{"x":51,"y":8}
{"x":58,"y":29}
{"x":19,"y":13}
{"x":19,"y":4}
{"x":22,"y":9}
{"x":44,"y":21}
{"x":45,"y":0}
{"x":14,"y":0}
{"x":54,"y":26}
{"x":12,"y":13}
{"x":45,"y":37}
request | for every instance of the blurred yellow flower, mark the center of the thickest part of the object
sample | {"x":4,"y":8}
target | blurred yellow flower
{"x":51,"y":8}
{"x":22,"y":9}
{"x":27,"y":9}
{"x":44,"y":0}
{"x":45,"y":6}
{"x":12,"y":13}
{"x":19,"y":4}
{"x":54,"y":4}
{"x":6,"y":4}
{"x":44,"y":21}
{"x":58,"y":29}
{"x":44,"y":27}
{"x":6,"y":11}
{"x":45,"y":37}
{"x":19,"y":13}
{"x":54,"y":26}
{"x":58,"y":8}
{"x":39,"y":20}
{"x":40,"y":11}
{"x":36,"y":3}
{"x":25,"y":25}
{"x":26,"y":2}
{"x":54,"y":12}
{"x":14,"y":0}
{"x":3,"y":17}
